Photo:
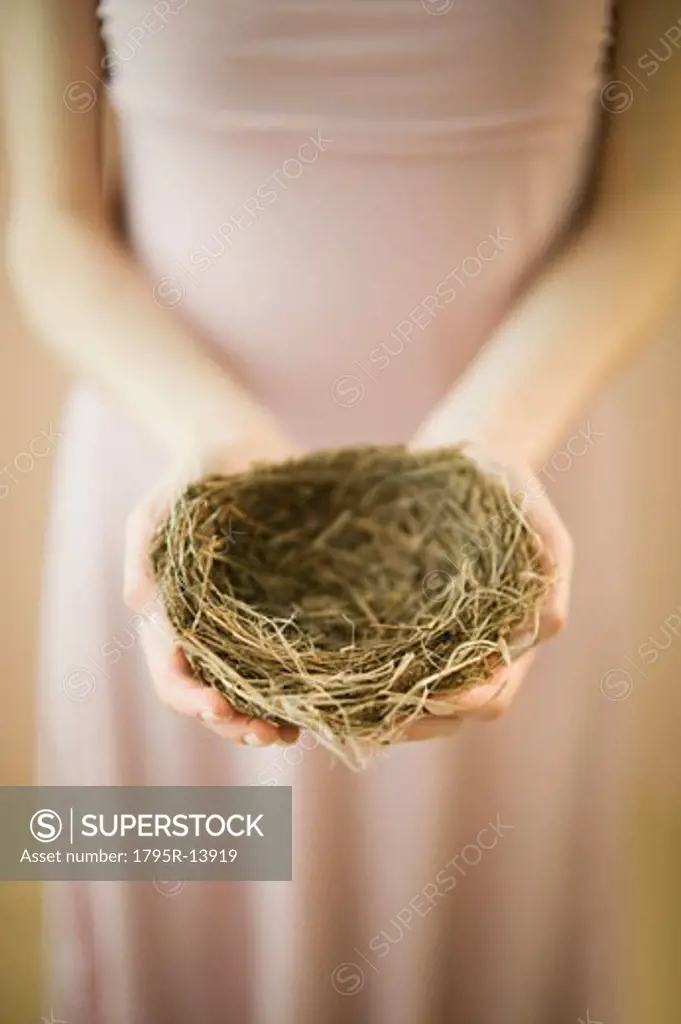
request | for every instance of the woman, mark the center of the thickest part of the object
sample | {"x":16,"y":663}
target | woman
{"x":346,"y":221}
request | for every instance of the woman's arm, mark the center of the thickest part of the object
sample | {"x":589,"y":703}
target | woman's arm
{"x":79,"y":287}
{"x":82,"y":291}
{"x":613,"y":284}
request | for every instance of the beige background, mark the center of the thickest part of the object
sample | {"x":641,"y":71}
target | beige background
{"x":32,"y":387}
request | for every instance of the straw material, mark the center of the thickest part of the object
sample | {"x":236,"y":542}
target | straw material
{"x":342,"y":590}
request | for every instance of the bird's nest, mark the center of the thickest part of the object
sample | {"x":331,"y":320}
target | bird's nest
{"x":341,"y":591}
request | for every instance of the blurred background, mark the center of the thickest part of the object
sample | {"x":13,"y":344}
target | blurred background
{"x":32,"y":387}
{"x":649,"y":412}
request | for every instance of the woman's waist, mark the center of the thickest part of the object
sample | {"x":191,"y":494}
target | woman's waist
{"x":344,"y":359}
{"x":291,"y":231}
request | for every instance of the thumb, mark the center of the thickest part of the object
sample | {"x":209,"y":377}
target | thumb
{"x":139,"y":585}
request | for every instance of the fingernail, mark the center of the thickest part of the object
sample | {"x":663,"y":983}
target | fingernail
{"x":251,"y":739}
{"x":208,"y":716}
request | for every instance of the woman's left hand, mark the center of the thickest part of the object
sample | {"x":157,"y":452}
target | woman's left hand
{"x":492,"y":698}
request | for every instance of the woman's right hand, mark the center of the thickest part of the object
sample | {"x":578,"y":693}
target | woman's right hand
{"x":171,"y":675}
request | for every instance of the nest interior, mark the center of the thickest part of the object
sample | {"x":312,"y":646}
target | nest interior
{"x":339,"y":591}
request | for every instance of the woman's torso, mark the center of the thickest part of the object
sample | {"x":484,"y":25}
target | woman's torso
{"x":344,"y":196}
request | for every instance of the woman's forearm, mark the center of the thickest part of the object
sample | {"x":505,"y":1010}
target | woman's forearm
{"x":605,"y":294}
{"x":84,"y":294}
{"x":610,"y":289}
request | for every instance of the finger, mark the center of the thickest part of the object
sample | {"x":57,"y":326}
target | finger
{"x":180,"y":690}
{"x":478,"y":699}
{"x":138,"y":578}
{"x":251,"y":732}
{"x":242,"y":728}
{"x":138,"y":584}
{"x":558,"y":560}
{"x":173,"y":680}
{"x":141,"y":524}
{"x":557,"y":552}
{"x":430,"y":729}
{"x":557,"y":555}
{"x":469,"y":698}
{"x":287,"y":735}
{"x":498,"y":704}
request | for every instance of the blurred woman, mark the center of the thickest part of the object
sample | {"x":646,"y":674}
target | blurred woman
{"x":258,"y":228}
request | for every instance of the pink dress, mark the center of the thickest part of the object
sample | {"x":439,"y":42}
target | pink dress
{"x":343,"y":198}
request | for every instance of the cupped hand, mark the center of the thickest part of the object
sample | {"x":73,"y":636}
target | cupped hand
{"x":171,"y":675}
{"x":492,"y":697}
